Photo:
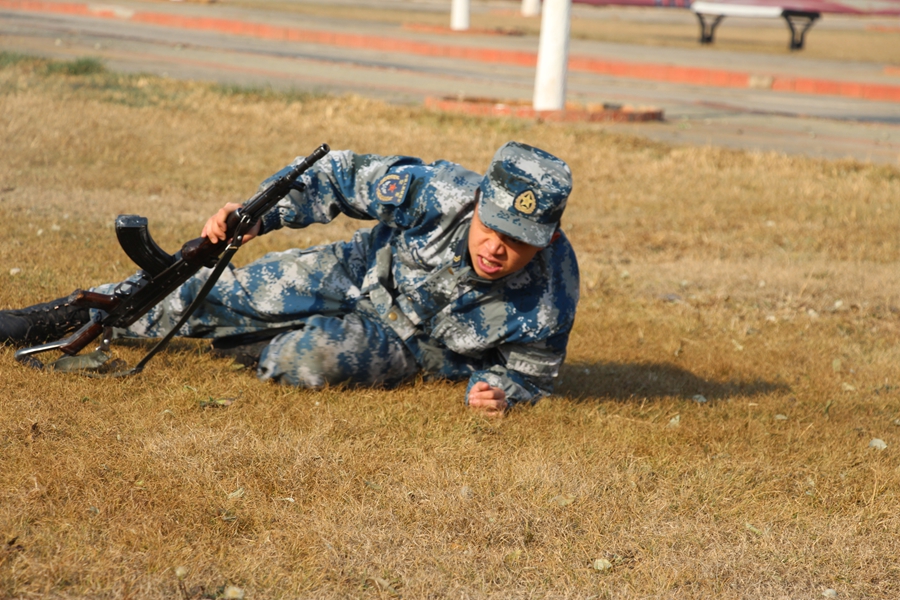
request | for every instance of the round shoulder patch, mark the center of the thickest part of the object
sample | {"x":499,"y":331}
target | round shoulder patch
{"x":391,"y":189}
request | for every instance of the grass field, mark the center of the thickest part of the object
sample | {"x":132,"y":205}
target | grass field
{"x":735,"y":353}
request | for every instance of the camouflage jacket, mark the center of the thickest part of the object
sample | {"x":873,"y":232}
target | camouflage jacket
{"x":511,"y":333}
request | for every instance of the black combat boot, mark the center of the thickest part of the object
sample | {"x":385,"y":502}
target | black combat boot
{"x":242,"y":354}
{"x":246,"y":348}
{"x":42,"y":322}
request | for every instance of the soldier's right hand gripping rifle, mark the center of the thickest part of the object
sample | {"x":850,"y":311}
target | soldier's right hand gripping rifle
{"x":160,"y":275}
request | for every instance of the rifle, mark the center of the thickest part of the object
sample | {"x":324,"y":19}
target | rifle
{"x":160,"y":274}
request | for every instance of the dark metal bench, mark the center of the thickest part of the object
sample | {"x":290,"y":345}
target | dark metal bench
{"x":710,"y":14}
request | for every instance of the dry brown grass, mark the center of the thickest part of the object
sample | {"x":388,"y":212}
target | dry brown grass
{"x":765,"y":283}
{"x":740,"y":35}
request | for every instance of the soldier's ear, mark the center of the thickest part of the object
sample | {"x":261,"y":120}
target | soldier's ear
{"x":555,"y":235}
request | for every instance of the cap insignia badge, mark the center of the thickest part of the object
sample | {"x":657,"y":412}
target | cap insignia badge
{"x":525,"y":202}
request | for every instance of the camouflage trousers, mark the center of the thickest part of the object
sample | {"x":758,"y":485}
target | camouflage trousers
{"x":333,"y":338}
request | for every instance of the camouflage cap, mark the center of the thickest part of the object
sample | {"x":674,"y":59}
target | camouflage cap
{"x":524,"y":193}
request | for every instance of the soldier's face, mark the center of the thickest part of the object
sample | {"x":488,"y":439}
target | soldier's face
{"x":494,"y":254}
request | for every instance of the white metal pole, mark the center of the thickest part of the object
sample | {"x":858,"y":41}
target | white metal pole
{"x":531,"y":8}
{"x":553,"y":56}
{"x":459,"y":15}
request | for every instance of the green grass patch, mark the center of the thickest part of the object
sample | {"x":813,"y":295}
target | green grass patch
{"x":8,"y":59}
{"x":265,"y":93}
{"x":78,"y":67}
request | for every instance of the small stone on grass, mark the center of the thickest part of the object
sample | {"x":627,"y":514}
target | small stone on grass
{"x":563,"y":499}
{"x":753,"y":529}
{"x":233,"y":592}
{"x":878,"y":444}
{"x":601,"y":564}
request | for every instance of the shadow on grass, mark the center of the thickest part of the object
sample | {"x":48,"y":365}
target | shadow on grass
{"x":578,"y":381}
{"x":177,"y":345}
{"x":618,"y":381}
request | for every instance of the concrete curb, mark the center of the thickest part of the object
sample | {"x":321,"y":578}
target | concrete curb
{"x":489,"y":107}
{"x":645,"y":71}
{"x":441,"y":30}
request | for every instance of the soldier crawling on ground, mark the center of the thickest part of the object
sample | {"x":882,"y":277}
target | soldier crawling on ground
{"x":464,"y":276}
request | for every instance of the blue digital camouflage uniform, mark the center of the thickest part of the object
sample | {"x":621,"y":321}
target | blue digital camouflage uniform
{"x":401,"y":297}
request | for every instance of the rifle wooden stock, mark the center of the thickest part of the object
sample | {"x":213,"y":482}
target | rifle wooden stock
{"x":90,"y":299}
{"x":79,"y":340}
{"x":200,"y":251}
